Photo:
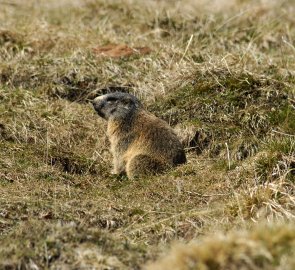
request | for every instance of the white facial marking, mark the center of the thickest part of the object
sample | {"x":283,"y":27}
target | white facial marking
{"x":99,"y":98}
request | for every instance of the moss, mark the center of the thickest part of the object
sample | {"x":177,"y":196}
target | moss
{"x":136,"y":211}
{"x":285,"y":146}
{"x":277,"y":162}
{"x":284,"y":118}
{"x":224,"y":165}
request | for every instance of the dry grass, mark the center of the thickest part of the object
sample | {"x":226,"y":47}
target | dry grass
{"x":220,"y":72}
{"x":265,"y":247}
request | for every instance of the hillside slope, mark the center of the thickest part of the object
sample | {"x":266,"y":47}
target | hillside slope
{"x":222,"y":73}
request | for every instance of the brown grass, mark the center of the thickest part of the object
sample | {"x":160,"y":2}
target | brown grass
{"x":220,"y":72}
{"x":265,"y":247}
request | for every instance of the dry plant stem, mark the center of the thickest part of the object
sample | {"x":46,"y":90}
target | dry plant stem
{"x":207,"y":195}
{"x":187,"y":47}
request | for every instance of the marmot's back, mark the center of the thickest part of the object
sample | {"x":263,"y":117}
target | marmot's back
{"x":141,"y":143}
{"x":156,"y":137}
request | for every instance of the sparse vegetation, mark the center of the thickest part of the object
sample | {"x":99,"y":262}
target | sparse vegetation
{"x":220,"y":72}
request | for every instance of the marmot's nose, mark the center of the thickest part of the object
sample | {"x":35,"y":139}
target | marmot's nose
{"x":98,"y":105}
{"x":94,"y":104}
{"x":98,"y":100}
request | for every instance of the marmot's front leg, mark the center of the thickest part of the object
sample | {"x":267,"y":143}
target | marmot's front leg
{"x":119,"y":166}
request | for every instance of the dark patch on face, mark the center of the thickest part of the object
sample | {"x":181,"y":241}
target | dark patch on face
{"x":117,"y":104}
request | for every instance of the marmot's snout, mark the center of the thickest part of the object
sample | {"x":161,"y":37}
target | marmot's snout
{"x":99,"y":104}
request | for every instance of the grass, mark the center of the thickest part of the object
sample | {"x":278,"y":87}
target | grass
{"x":257,"y":249}
{"x":221,"y":73}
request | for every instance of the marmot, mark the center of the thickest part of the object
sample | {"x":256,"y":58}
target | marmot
{"x":141,"y":143}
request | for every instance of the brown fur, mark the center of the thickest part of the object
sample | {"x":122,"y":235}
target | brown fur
{"x":143,"y":145}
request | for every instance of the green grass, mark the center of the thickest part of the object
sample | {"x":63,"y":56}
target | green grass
{"x":221,"y":73}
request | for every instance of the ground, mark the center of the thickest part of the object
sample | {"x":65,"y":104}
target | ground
{"x":222,"y":73}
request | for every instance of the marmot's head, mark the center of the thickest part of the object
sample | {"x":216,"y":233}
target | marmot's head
{"x":117,"y":105}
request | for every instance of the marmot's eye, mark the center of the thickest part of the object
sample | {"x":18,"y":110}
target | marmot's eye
{"x":111,"y":99}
